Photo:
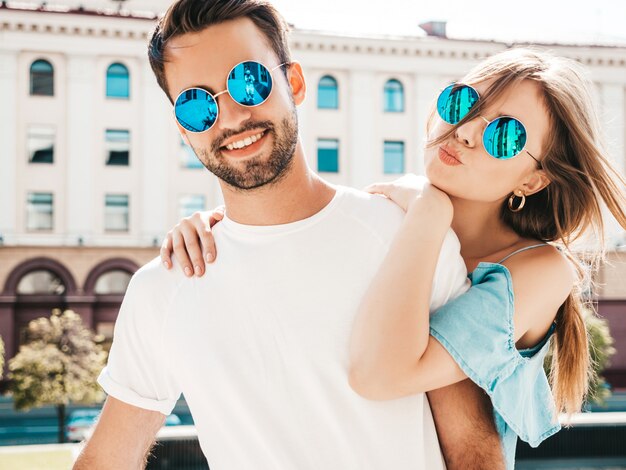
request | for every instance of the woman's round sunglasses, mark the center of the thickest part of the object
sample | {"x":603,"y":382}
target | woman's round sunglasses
{"x":503,"y":138}
{"x":248,"y":83}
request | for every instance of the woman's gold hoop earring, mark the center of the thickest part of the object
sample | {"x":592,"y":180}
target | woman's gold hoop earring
{"x":521,"y":204}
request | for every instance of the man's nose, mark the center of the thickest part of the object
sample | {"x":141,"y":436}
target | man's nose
{"x":231,"y":113}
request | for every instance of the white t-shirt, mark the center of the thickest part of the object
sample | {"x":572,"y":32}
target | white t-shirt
{"x":259,"y":344}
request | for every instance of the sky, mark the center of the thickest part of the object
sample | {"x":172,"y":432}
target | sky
{"x":547,"y":21}
{"x":571,"y":21}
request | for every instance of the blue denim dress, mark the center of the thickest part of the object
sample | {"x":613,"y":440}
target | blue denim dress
{"x":476,"y":329}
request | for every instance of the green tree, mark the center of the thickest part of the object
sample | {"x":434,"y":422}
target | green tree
{"x":601,"y":349}
{"x":59,"y":364}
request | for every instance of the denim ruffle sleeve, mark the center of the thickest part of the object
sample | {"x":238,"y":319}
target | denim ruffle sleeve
{"x":476,"y":328}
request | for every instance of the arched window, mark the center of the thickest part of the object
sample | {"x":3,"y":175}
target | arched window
{"x":118,"y":81}
{"x":394,"y":97}
{"x":327,"y":93}
{"x":113,"y":282}
{"x":41,"y":282}
{"x":41,"y":78}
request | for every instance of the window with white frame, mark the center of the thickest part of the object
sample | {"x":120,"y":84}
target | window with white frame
{"x":39,"y":211}
{"x":117,"y":147}
{"x":116,"y":213}
{"x":40,"y":143}
{"x":394,"y":157}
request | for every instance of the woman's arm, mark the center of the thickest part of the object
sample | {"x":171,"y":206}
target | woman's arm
{"x":390,"y":333}
{"x":542,"y":280}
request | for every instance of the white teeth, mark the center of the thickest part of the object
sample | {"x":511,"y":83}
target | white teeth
{"x":245,"y":142}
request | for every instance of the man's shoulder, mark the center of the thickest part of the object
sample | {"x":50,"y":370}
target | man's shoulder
{"x":154,"y":284}
{"x":366,"y":206}
{"x":378,"y":215}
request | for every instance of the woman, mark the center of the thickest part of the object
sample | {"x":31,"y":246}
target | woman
{"x":517,"y":170}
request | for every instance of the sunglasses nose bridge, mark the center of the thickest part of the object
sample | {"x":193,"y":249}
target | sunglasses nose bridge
{"x":231,"y":113}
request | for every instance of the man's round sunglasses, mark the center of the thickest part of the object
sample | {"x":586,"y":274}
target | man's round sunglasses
{"x":248,"y":83}
{"x":503,"y":138}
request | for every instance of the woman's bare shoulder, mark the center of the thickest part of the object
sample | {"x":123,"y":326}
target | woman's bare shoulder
{"x":542,"y":263}
{"x":542,"y":279}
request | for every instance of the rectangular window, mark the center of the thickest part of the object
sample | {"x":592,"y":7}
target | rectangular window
{"x":39,"y":211}
{"x":189,"y":204}
{"x":188,"y":158}
{"x":40,"y":144}
{"x":394,"y":157}
{"x":328,"y":155}
{"x":116,"y":217}
{"x":117,"y":147}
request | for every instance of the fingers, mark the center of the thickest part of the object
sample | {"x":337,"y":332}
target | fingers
{"x":166,"y":251}
{"x":203,"y":222}
{"x":209,"y":251}
{"x":216,"y":216}
{"x":178,"y":243}
{"x":191,"y":241}
{"x":194,"y":263}
{"x":379,"y":188}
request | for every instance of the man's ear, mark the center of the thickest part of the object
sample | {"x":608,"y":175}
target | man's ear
{"x":535,"y":182}
{"x":295,"y":77}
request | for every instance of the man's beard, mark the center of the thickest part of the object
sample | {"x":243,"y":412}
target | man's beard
{"x":255,"y":172}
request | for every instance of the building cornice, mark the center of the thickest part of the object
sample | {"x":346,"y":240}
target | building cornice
{"x":136,"y":26}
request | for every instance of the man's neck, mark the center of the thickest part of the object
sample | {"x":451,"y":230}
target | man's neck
{"x":299,"y":194}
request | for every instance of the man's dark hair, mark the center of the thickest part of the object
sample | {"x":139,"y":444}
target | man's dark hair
{"x":191,"y":16}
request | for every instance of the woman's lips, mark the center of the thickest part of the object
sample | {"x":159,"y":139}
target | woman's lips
{"x":448,"y":158}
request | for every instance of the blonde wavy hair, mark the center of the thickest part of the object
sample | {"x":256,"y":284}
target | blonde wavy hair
{"x":581,"y":179}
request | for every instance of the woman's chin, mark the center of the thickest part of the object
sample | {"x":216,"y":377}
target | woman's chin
{"x":440,"y":180}
{"x":433,"y":173}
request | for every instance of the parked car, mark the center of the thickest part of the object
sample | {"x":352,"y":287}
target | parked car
{"x":80,"y":422}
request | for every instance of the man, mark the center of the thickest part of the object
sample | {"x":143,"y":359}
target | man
{"x":259,"y":344}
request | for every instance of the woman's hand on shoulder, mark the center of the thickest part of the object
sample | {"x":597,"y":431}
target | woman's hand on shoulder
{"x":415,"y":194}
{"x":191,"y":241}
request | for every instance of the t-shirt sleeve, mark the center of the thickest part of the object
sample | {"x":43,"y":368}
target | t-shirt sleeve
{"x":138,"y":370}
{"x":477,"y":330}
{"x":450,"y":279}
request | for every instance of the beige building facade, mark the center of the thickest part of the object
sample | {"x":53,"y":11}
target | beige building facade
{"x":93,"y":172}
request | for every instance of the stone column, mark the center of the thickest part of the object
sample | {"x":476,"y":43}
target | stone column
{"x":7,"y":328}
{"x":426,"y":90}
{"x":155,"y":157}
{"x":8,"y":146}
{"x":83,"y":306}
{"x":364,"y":147}
{"x":79,"y":207}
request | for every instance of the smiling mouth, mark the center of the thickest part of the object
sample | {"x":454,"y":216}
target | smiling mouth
{"x":246,"y":148}
{"x":244,"y":143}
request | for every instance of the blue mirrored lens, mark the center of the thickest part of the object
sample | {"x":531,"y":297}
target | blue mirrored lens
{"x":195,"y":110}
{"x":249,"y":83}
{"x":455,"y":102}
{"x":504,"y":138}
